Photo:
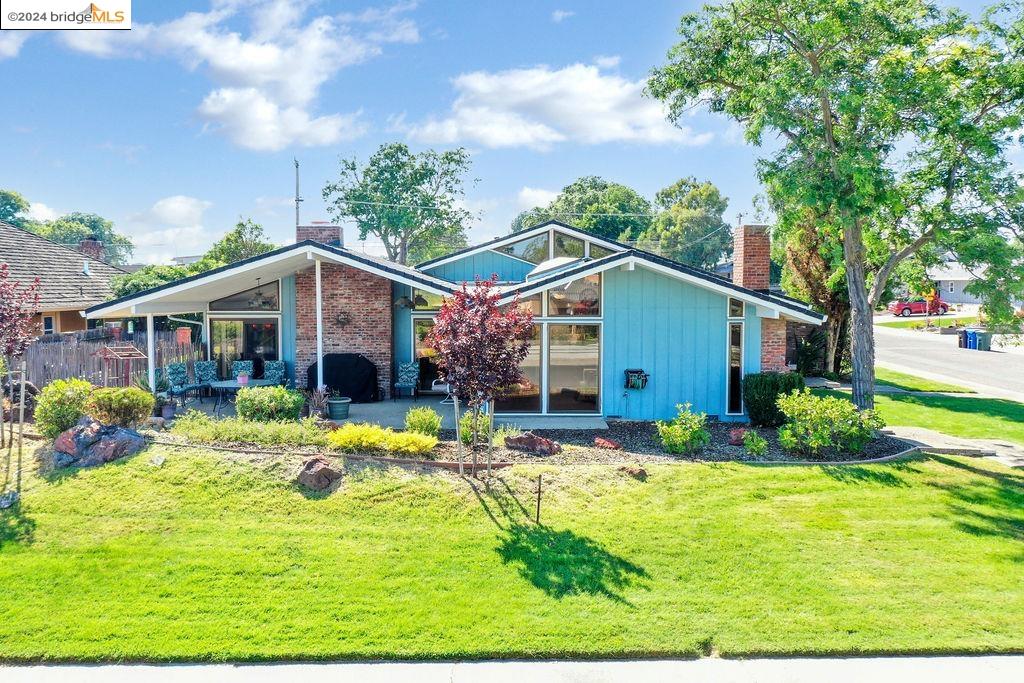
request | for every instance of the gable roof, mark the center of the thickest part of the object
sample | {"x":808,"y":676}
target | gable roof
{"x":63,"y":284}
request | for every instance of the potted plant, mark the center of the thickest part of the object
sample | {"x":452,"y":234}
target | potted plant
{"x":165,"y":406}
{"x":337,"y":406}
{"x":316,"y":402}
{"x":242,"y":379}
{"x":162,"y":387}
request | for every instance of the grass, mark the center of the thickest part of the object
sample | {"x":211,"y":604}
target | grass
{"x":940,"y":320}
{"x":908,"y":382}
{"x":963,"y":416}
{"x":205,"y":558}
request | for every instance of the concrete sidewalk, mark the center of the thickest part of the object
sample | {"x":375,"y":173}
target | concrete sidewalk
{"x":991,"y":669}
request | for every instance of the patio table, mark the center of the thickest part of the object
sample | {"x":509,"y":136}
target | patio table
{"x":230,"y":386}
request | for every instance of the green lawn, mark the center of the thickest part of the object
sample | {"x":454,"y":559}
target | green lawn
{"x":940,"y":320}
{"x":207,"y":559}
{"x":909,"y":382}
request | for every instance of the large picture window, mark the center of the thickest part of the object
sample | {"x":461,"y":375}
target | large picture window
{"x":525,"y":397}
{"x":532,"y":249}
{"x":574,"y":362}
{"x":254,"y":339}
{"x":580,"y":297}
{"x":260,"y":298}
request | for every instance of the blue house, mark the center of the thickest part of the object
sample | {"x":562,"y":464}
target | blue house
{"x":619,"y":332}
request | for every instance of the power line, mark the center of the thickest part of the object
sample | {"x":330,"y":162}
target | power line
{"x":392,"y":205}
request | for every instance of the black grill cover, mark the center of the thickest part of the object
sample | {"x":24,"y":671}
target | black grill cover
{"x":350,"y":374}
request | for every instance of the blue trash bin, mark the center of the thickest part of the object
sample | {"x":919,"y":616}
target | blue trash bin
{"x":972,"y":339}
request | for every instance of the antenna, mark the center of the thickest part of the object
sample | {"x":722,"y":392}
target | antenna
{"x":298,"y":197}
{"x":739,"y":216}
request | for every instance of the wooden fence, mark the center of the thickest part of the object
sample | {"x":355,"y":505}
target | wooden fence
{"x":75,"y":356}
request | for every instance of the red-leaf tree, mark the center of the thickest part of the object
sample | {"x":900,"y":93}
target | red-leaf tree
{"x":480,"y":346}
{"x":19,"y":304}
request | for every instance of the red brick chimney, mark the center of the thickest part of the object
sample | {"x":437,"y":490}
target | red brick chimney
{"x":751,"y":257}
{"x":91,"y":247}
{"x":320,"y":231}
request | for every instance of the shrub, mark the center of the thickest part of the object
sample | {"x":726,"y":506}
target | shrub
{"x":61,"y":404}
{"x":364,"y":437}
{"x":122,"y":406}
{"x":200,"y":427}
{"x":467,"y":428}
{"x":755,"y":444}
{"x":761,"y":390}
{"x":423,"y":421}
{"x":686,"y":433}
{"x":505,"y":431}
{"x":269,"y":404}
{"x":816,"y":424}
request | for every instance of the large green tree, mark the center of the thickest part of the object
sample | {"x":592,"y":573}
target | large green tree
{"x":13,"y":208}
{"x":599,"y":206}
{"x":245,"y":240}
{"x":411,"y":202}
{"x":891,"y":116}
{"x":75,"y":227}
{"x":691,"y":227}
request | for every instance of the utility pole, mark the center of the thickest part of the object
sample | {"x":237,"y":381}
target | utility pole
{"x":298,"y":197}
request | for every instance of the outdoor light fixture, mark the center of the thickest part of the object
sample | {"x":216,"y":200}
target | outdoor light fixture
{"x":404,"y":302}
{"x":420,"y":300}
{"x":258,"y":300}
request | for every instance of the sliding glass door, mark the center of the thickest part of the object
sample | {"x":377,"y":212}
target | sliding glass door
{"x":254,"y":339}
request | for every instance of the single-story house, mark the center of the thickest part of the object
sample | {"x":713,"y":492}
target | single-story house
{"x":951,"y":280}
{"x":601,"y":309}
{"x":69,"y":279}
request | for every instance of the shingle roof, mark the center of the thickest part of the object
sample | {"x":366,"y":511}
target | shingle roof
{"x":62,"y":284}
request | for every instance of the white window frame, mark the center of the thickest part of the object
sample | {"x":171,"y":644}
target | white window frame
{"x":951,"y":287}
{"x":53,"y":324}
{"x":224,"y":315}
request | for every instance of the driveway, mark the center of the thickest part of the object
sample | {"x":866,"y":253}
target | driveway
{"x":997,"y":373}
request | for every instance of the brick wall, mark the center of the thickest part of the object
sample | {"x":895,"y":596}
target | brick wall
{"x":92,"y":248}
{"x":365,"y":298}
{"x":773,"y":345}
{"x":319,"y":232}
{"x":751,"y":257}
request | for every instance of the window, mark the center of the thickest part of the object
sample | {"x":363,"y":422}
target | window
{"x":566,"y":245}
{"x":580,"y":297}
{"x":259,"y":298}
{"x":252,"y":339}
{"x":533,"y":249}
{"x":574,"y":359}
{"x":423,"y":353}
{"x":950,"y":286}
{"x":48,"y":327}
{"x":735,"y":377}
{"x":531,"y":303}
{"x":524,"y":397}
{"x":599,"y":252}
{"x":735,"y":308}
{"x":426,"y":301}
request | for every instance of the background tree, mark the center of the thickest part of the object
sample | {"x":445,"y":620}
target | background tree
{"x":245,"y":240}
{"x":480,"y":348}
{"x":411,"y":202}
{"x":75,"y":227}
{"x":690,"y":227}
{"x":601,"y":207}
{"x":13,"y":208}
{"x":889,"y":112}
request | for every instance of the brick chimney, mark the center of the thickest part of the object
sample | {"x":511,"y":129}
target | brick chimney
{"x":91,"y":247}
{"x":751,"y":257}
{"x":320,"y":231}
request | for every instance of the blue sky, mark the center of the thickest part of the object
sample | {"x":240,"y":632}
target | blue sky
{"x":189,"y":121}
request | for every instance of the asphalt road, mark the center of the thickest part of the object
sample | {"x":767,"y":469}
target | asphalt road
{"x":998,"y":372}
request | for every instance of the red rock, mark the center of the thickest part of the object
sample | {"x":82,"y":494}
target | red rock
{"x":532,"y":443}
{"x":605,"y":442}
{"x":65,"y":443}
{"x":736,"y":436}
{"x":317,"y":473}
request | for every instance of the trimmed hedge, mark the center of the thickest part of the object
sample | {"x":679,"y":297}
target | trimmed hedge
{"x":121,"y":406}
{"x":761,"y":391}
{"x":269,"y":404}
{"x":819,"y":425}
{"x":61,"y":405}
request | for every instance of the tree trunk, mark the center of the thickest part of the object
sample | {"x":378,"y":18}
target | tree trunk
{"x":862,"y":340}
{"x":835,"y":330}
{"x":474,"y":436}
{"x":458,"y":436}
{"x":490,"y":437}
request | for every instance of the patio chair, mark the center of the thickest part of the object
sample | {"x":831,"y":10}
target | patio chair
{"x":273,"y":370}
{"x":408,"y":378}
{"x":439,"y":386}
{"x":205,"y":372}
{"x":241,"y":366}
{"x":177,"y":378}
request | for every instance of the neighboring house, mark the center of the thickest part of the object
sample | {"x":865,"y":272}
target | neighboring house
{"x":186,"y":260}
{"x":601,"y":308}
{"x":70,"y":280}
{"x":951,"y":280}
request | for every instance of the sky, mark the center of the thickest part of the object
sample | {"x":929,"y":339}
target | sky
{"x":190,"y":121}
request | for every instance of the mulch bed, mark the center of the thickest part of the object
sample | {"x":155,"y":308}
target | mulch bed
{"x":640,"y":445}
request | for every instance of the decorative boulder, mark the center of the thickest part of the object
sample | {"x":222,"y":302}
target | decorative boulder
{"x":317,"y":473}
{"x":532,"y":443}
{"x":605,"y":442}
{"x":736,"y":435}
{"x":89,"y":444}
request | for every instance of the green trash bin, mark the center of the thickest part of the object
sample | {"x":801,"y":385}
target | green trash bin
{"x":984,"y":340}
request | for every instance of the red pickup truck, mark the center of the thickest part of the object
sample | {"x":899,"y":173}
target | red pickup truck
{"x":918,"y":306}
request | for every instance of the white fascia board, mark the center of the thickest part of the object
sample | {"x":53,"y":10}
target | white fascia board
{"x":433,"y":285}
{"x":766,"y":312}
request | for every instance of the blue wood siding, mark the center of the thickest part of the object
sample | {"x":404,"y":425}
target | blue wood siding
{"x":401,"y":325}
{"x":288,"y":325}
{"x":483,"y":265}
{"x":676,"y":332}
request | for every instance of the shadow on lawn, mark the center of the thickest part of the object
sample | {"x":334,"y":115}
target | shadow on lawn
{"x":560,"y":563}
{"x":857,"y":474}
{"x":15,"y":527}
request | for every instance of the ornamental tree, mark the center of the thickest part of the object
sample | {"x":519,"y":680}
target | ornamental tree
{"x":480,"y":346}
{"x":18,"y":306}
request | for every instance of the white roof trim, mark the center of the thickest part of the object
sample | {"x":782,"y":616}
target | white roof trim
{"x":494,"y":245}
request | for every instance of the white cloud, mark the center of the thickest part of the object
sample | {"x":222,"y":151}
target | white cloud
{"x":11,"y":42}
{"x":279,"y":67}
{"x":38,"y":211}
{"x":529,"y":197}
{"x":540,"y":106}
{"x":173,"y":226}
{"x":607,"y":61}
{"x":560,"y":15}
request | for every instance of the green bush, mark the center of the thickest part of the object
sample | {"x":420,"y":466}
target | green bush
{"x":755,"y":444}
{"x":200,"y":427}
{"x":467,"y":429}
{"x":370,"y":438}
{"x":761,"y":390}
{"x":423,"y":421}
{"x":820,"y":424}
{"x":269,"y":404}
{"x":60,"y":405}
{"x":122,"y":406}
{"x":686,"y":433}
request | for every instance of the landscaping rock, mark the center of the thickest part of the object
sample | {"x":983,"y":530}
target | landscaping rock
{"x":605,"y":442}
{"x":532,"y":443}
{"x":634,"y":471}
{"x":736,"y":436}
{"x":89,"y":444}
{"x":317,"y":473}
